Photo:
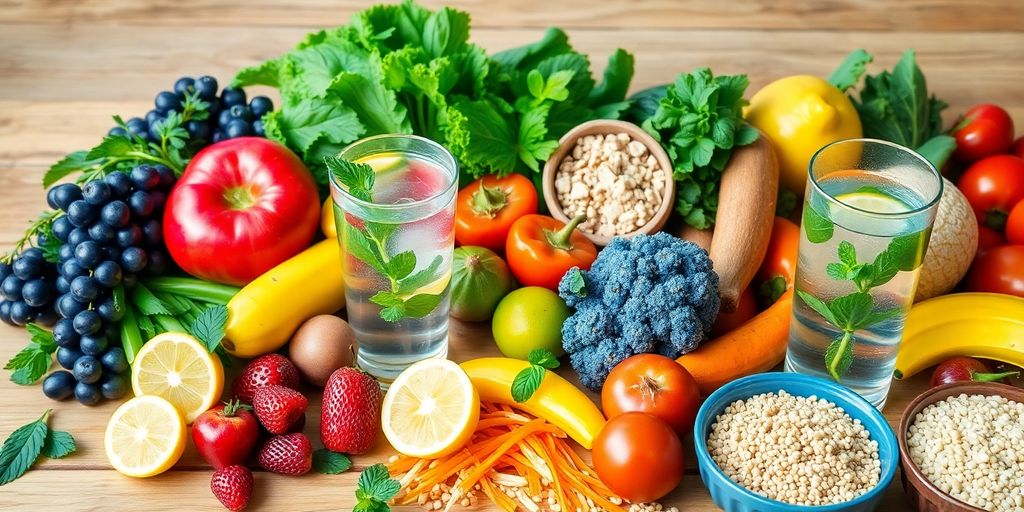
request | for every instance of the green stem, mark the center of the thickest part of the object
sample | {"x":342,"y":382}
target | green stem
{"x":991,"y":377}
{"x":384,"y":258}
{"x":131,"y":336}
{"x":562,"y":239}
{"x":169,"y":324}
{"x":195,"y":289}
{"x":833,"y":365}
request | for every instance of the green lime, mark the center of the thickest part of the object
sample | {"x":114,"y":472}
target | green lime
{"x":529,"y":318}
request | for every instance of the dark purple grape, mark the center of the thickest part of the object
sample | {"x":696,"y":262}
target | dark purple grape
{"x":66,"y":357}
{"x":77,"y":236}
{"x":113,"y":387}
{"x":27,"y":267}
{"x":5,"y":270}
{"x":102,"y":232}
{"x":241,"y":112}
{"x":183,"y":86}
{"x":37,"y":293}
{"x":59,"y":385}
{"x":21,"y":313}
{"x":167,"y":102}
{"x":224,"y":117}
{"x":207,"y":87}
{"x":68,"y":307}
{"x":88,"y":394}
{"x":159,"y":199}
{"x":84,"y":289}
{"x":232,"y":96}
{"x":11,"y":287}
{"x":62,"y":284}
{"x":115,"y":213}
{"x":153,"y":116}
{"x":238,"y":128}
{"x":145,"y":177}
{"x":114,"y":360}
{"x":61,"y":228}
{"x":5,"y":312}
{"x":138,"y":127}
{"x":167,"y":178}
{"x":47,"y":316}
{"x":93,"y":345}
{"x":120,"y":184}
{"x":198,"y":129}
{"x":61,"y":196}
{"x":96,"y":193}
{"x":129,"y":280}
{"x":134,"y":259}
{"x":70,"y":269}
{"x":108,"y":311}
{"x":129,"y":236}
{"x":89,"y":254}
{"x":108,"y":274}
{"x":112,"y":253}
{"x":219,"y":136}
{"x":65,"y":253}
{"x":260,"y":105}
{"x":117,"y":131}
{"x":257,"y":128}
{"x":157,"y":262}
{"x":64,"y":333}
{"x":87,"y":322}
{"x":141,"y":203}
{"x":81,"y":213}
{"x":153,"y":233}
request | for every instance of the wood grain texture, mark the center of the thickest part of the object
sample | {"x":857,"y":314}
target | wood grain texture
{"x":67,"y":66}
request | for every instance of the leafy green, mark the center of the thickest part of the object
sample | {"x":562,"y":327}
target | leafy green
{"x":34,"y":360}
{"x":357,"y":178}
{"x":818,"y":227}
{"x":375,"y":489}
{"x":209,"y":326}
{"x":850,"y":70}
{"x":58,"y":444}
{"x":23,"y":447}
{"x":699,"y":121}
{"x":895,"y":106}
{"x":577,"y":283}
{"x":528,"y":381}
{"x":330,"y":463}
{"x":401,"y":68}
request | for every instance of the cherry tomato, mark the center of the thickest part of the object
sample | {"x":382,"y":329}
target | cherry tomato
{"x":653,"y":384}
{"x":486,"y":209}
{"x":988,"y":239}
{"x":1017,"y":149}
{"x":993,"y":186}
{"x":1015,"y":224}
{"x":778,"y":269}
{"x":745,"y":310}
{"x":966,"y":369}
{"x":1000,"y":270}
{"x":986,"y":130}
{"x":541,"y":249}
{"x":639,"y":457}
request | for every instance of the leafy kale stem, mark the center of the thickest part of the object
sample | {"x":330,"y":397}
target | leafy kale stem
{"x":32,"y":231}
{"x":833,"y":365}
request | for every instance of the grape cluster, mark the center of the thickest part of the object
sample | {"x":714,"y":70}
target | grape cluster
{"x":27,"y":288}
{"x":110,"y":233}
{"x":228,"y":115}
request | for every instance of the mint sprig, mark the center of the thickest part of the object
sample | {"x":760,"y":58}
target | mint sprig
{"x":375,"y":489}
{"x":34,"y":360}
{"x":857,"y":310}
{"x":27,"y":443}
{"x":528,"y":381}
{"x":358,"y":178}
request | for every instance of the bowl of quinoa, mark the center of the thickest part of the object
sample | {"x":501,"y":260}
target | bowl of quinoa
{"x":962,"y":448}
{"x":788,"y":442}
{"x":615,"y":174}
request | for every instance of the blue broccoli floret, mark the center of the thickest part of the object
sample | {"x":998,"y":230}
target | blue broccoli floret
{"x":648,"y":294}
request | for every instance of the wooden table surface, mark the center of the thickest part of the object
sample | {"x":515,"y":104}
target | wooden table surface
{"x":67,"y":66}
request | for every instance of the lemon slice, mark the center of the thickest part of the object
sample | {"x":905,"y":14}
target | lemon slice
{"x":385,"y":162}
{"x":431,"y":409}
{"x":178,"y":368}
{"x":876,"y":202}
{"x":145,"y":437}
{"x":435,"y":287}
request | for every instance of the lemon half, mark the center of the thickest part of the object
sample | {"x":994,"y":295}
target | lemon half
{"x":431,"y":409}
{"x":178,"y":368}
{"x":145,"y":436}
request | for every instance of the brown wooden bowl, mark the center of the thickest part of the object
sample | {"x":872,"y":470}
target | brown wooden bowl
{"x":604,"y":127}
{"x":927,"y":496}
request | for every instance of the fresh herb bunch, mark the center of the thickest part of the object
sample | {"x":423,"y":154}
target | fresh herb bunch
{"x":28,"y":443}
{"x":405,"y":69}
{"x":699,"y":122}
{"x":895,"y":106}
{"x":857,"y":310}
{"x":375,"y":489}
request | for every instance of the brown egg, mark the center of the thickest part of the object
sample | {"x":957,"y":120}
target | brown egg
{"x":321,"y":345}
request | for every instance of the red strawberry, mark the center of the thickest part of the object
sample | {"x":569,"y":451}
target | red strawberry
{"x":290,"y":454}
{"x":264,"y":371}
{"x":350,"y":418}
{"x":278,"y":407}
{"x":232,"y":485}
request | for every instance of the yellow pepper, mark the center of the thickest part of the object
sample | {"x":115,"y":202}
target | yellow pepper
{"x":801,"y":114}
{"x":327,"y":225}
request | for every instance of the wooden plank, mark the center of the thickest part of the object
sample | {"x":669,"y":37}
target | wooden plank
{"x":917,"y":15}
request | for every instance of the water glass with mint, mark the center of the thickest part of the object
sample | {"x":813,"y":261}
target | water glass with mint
{"x":867,"y":217}
{"x":394,"y":207}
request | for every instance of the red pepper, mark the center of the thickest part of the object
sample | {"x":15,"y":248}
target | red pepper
{"x":540,"y":250}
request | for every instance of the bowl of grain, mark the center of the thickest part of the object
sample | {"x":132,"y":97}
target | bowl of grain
{"x":962,"y":448}
{"x":615,"y":174}
{"x":785,"y":442}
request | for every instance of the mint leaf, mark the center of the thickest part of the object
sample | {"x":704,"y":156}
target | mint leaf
{"x":421,"y":278}
{"x":543,"y":358}
{"x":22,"y":448}
{"x":330,"y":463}
{"x":357,"y":178}
{"x":850,"y":70}
{"x":33,"y":361}
{"x":112,"y":146}
{"x":818,"y":306}
{"x":401,"y":265}
{"x":847,"y":253}
{"x":527,"y":382}
{"x":70,"y":164}
{"x":837,"y":271}
{"x":209,"y":326}
{"x":818,"y":228}
{"x":850,"y":311}
{"x":839,"y":356}
{"x":58,"y":444}
{"x":907,"y":251}
{"x":577,"y":284}
{"x":361,"y":248}
{"x":375,"y":488}
{"x":421,"y":305}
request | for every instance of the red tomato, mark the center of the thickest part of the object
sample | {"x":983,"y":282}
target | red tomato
{"x":1000,"y":270}
{"x":993,"y":186}
{"x":1017,"y":148}
{"x":653,"y":384}
{"x":486,"y":209}
{"x":1015,"y":224}
{"x":988,"y":239}
{"x":241,"y":207}
{"x":639,"y":457}
{"x":745,"y":310}
{"x":986,"y":130}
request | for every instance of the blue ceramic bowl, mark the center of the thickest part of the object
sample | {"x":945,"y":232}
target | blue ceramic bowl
{"x":731,"y":497}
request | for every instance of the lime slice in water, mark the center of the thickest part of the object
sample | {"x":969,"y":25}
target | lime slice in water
{"x":385,"y":162}
{"x":874,"y":201}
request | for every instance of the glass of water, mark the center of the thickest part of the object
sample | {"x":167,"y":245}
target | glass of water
{"x":867,"y":217}
{"x":396,"y":251}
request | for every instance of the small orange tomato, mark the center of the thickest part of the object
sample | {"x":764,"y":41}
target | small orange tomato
{"x":486,"y":209}
{"x":541,"y":249}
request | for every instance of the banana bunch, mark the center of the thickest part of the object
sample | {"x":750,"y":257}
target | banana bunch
{"x":987,"y":325}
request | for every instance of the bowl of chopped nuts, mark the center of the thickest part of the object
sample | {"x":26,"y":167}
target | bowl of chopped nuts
{"x":785,"y":442}
{"x":962,"y":448}
{"x":616,"y":174}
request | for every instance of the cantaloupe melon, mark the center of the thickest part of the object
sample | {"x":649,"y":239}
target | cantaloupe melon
{"x":952,"y":246}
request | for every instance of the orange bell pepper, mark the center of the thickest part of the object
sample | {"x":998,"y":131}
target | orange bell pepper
{"x":541,"y":249}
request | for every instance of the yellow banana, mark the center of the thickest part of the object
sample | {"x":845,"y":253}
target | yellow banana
{"x":988,"y":325}
{"x":263,"y":316}
{"x":557,"y":400}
